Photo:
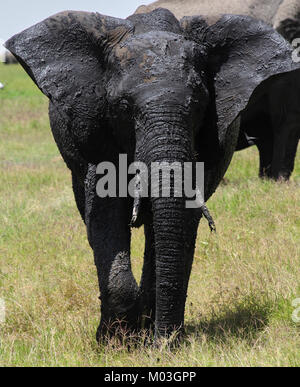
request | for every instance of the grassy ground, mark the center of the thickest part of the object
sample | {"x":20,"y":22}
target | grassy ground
{"x":243,"y":282}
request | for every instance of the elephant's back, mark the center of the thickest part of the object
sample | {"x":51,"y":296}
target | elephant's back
{"x":260,"y":9}
{"x":181,"y":8}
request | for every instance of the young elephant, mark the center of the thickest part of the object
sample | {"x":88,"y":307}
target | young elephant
{"x":159,"y":91}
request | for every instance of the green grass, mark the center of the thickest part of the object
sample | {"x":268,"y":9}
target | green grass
{"x":243,"y":282}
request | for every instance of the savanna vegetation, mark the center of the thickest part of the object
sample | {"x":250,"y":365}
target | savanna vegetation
{"x":244,"y":279}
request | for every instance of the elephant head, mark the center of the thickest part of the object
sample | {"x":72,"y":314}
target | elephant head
{"x":159,"y":91}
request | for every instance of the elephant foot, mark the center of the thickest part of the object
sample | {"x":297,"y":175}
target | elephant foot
{"x":281,"y":177}
{"x":118,"y":330}
{"x":148,"y":321}
{"x":169,"y":339}
{"x":147,"y":306}
{"x":284,"y":176}
{"x":121,"y":326}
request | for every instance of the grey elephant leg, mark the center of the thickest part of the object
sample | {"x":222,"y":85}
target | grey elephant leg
{"x":285,"y":149}
{"x":279,"y":149}
{"x":148,"y":280}
{"x":265,"y":148}
{"x":109,"y":235}
{"x":291,"y":150}
{"x":291,"y":140}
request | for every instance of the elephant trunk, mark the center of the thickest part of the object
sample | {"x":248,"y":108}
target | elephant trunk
{"x":168,"y":142}
{"x":168,"y":222}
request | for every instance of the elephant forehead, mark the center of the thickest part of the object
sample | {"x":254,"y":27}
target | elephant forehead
{"x":147,"y":49}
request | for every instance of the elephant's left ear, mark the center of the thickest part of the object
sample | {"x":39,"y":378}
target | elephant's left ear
{"x":243,"y":54}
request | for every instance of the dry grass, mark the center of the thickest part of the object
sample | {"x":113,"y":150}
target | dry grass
{"x":243,"y":282}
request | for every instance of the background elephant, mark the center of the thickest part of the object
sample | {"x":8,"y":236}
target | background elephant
{"x":9,"y":58}
{"x":155,"y":90}
{"x":284,"y":15}
{"x":6,"y":56}
{"x":273,"y":123}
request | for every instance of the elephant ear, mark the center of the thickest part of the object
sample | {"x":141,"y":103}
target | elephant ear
{"x":64,"y":55}
{"x":243,"y":56}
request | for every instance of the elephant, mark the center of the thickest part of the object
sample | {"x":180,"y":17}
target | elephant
{"x":6,"y":57}
{"x":9,"y":58}
{"x":158,"y":91}
{"x":273,"y":123}
{"x":284,"y":15}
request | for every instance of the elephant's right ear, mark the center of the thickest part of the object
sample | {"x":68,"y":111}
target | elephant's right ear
{"x":243,"y":54}
{"x":64,"y":56}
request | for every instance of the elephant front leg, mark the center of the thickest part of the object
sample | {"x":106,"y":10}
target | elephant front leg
{"x":109,"y":235}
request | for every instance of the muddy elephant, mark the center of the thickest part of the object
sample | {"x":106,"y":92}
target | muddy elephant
{"x":155,"y":90}
{"x":284,"y":15}
{"x":273,"y":123}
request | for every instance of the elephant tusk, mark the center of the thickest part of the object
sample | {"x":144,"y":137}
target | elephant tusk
{"x":205,"y":211}
{"x":136,"y":203}
{"x":209,"y":218}
{"x":136,"y":210}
